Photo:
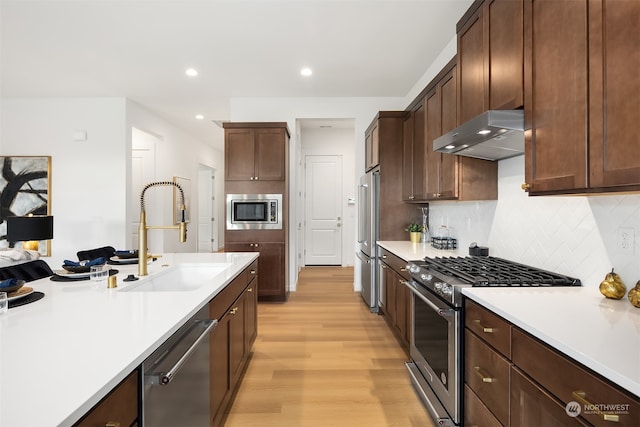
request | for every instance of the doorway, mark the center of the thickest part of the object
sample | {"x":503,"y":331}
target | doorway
{"x":323,"y":210}
{"x":324,"y":190}
{"x":143,"y":171}
{"x":207,"y":210}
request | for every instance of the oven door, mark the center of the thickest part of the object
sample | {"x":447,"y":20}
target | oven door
{"x":436,"y":339}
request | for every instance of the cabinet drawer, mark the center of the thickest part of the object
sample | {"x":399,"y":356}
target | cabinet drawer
{"x":532,"y":406}
{"x":475,"y":412}
{"x":396,"y":263}
{"x":487,"y":374}
{"x":120,"y":406}
{"x":221,"y":302}
{"x":489,"y":326}
{"x":569,"y":381}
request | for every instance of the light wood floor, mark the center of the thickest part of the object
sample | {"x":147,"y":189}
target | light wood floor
{"x":324,"y":360}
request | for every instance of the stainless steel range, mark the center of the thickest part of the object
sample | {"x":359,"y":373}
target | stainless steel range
{"x":437,"y":324}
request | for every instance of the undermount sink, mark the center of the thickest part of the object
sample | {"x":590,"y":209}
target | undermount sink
{"x":179,"y":278}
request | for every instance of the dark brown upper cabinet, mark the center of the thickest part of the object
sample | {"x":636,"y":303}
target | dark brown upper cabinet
{"x":582,"y":104}
{"x":447,"y":176}
{"x":413,"y":154}
{"x":372,"y":148}
{"x":490,"y":58}
{"x":255,"y":151}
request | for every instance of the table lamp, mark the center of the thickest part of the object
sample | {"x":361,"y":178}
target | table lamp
{"x":29,"y":230}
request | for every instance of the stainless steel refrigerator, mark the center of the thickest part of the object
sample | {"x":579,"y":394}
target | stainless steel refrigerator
{"x":366,"y":257}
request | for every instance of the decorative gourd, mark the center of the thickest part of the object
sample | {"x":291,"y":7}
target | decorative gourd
{"x":634,"y":295}
{"x":612,"y":286}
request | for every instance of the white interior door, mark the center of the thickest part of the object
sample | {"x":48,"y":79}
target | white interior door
{"x":323,"y":210}
{"x":207,"y":241}
{"x":143,"y":171}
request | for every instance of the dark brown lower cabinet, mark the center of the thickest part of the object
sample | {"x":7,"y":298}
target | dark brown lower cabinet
{"x":515,"y":379}
{"x":118,"y":408}
{"x":532,"y":406}
{"x":397,"y":297}
{"x":475,"y":411}
{"x":272,"y":266}
{"x":232,"y":339}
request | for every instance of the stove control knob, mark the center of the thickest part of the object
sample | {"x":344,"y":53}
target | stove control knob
{"x":413,"y":268}
{"x":426,"y":277}
{"x":439,"y":286}
{"x":447,"y":290}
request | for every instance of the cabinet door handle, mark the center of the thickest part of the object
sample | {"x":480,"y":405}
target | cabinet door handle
{"x":526,"y":187}
{"x":233,"y":311}
{"x":249,"y":289}
{"x":253,"y":272}
{"x":484,"y":328}
{"x":112,"y":424}
{"x":582,"y":397}
{"x":485,"y":379}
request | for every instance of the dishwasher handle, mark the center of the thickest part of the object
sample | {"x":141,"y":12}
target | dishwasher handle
{"x":164,"y":378}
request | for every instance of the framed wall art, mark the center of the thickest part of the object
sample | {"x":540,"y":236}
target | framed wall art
{"x":25,"y":189}
{"x":185,"y":183}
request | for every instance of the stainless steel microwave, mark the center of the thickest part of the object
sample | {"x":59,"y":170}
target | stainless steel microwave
{"x":254,"y":211}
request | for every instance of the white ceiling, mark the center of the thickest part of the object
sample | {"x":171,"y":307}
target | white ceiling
{"x":139,"y":49}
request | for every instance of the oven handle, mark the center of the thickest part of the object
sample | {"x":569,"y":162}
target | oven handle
{"x":444,"y":312}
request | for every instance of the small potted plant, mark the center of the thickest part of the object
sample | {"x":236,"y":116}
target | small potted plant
{"x":415,"y":232}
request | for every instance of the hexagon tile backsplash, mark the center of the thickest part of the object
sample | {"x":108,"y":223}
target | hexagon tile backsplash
{"x":579,"y":236}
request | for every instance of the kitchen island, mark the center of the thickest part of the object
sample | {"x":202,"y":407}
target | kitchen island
{"x":61,"y":355}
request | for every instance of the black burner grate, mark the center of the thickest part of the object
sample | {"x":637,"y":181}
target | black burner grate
{"x":492,"y":271}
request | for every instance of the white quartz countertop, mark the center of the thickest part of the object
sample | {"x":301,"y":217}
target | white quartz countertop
{"x":600,"y":333}
{"x":60,"y":355}
{"x":414,"y":251}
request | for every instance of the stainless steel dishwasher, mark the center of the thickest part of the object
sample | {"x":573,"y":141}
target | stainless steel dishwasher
{"x":176,"y":377}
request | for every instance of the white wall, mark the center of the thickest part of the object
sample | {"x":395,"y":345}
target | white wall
{"x":91,"y":179}
{"x":339,"y":142}
{"x":88,"y":178}
{"x":572,"y":235}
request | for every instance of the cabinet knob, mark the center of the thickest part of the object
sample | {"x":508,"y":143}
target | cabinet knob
{"x":253,"y":272}
{"x":233,"y":311}
{"x":251,"y":178}
{"x":485,"y":329}
{"x":249,"y":289}
{"x":485,"y":378}
{"x":526,"y":187}
{"x":255,"y":178}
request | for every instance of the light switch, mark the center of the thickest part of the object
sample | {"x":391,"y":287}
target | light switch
{"x":80,"y":135}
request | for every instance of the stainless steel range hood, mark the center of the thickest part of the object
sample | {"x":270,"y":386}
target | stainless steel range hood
{"x":493,"y":135}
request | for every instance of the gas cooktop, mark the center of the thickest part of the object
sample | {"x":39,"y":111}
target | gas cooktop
{"x":492,"y":271}
{"x":446,"y":276}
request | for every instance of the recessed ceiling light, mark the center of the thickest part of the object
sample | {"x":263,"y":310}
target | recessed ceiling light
{"x":191,"y":72}
{"x":199,"y":116}
{"x":306,"y":71}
